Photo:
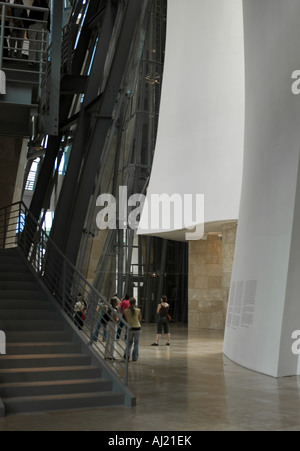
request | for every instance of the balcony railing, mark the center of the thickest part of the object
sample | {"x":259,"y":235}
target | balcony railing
{"x":30,"y":60}
{"x":23,"y":40}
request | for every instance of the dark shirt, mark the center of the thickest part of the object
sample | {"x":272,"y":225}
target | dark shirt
{"x":163,"y":311}
{"x":37,"y":16}
{"x":18,"y":15}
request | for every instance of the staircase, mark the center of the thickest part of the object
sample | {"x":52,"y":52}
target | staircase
{"x":46,"y":366}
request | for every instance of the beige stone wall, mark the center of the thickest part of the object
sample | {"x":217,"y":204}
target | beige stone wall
{"x":210,"y":268}
{"x":205,"y":284}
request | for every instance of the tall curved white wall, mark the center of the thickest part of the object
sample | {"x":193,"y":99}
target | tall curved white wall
{"x":199,"y":147}
{"x":264,"y":304}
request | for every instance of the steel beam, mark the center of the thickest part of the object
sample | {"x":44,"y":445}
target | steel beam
{"x":68,"y":205}
{"x":103,"y":121}
{"x":46,"y":174}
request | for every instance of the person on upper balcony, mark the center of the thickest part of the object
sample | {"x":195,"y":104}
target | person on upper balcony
{"x":6,"y":33}
{"x":19,"y":23}
{"x":38,"y":31}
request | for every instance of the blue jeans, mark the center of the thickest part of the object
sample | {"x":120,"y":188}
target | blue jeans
{"x":120,"y":327}
{"x":97,"y":330}
{"x":134,"y":338}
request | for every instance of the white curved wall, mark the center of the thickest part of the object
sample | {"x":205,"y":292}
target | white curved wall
{"x":199,"y":146}
{"x":264,"y":304}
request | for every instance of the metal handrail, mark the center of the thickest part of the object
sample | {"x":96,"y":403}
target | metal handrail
{"x":18,"y":228}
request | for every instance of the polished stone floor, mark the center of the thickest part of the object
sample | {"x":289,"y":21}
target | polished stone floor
{"x":189,"y":386}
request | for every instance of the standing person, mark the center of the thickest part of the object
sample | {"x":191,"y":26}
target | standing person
{"x":18,"y":17}
{"x":124,"y":305}
{"x":101,"y":310}
{"x":36,"y":31}
{"x":163,"y":321}
{"x":80,"y":311}
{"x":111,"y":330}
{"x":5,"y":22}
{"x":133,"y":316}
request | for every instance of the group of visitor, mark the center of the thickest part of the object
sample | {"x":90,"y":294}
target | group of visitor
{"x":109,"y":319}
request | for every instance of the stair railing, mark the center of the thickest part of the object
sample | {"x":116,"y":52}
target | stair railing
{"x":76,"y":296}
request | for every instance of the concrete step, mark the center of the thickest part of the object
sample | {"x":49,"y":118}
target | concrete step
{"x":38,"y":336}
{"x":15,"y":375}
{"x":56,"y":387}
{"x":13,"y":262}
{"x":43,"y":348}
{"x":14,"y":273}
{"x":27,"y":315}
{"x":23,"y":285}
{"x":45,"y":367}
{"x":10,"y":251}
{"x":43,"y":361}
{"x":62,"y":402}
{"x":22,"y":304}
{"x":30,"y":325}
{"x":21,"y":294}
{"x":10,"y":258}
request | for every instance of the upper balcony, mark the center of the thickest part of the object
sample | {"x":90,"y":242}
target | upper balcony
{"x":30,"y":62}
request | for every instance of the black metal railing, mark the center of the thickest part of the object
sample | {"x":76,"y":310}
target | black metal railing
{"x":76,"y":296}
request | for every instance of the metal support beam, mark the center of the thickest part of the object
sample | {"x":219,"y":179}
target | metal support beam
{"x":52,"y":151}
{"x":45,"y":176}
{"x":68,"y":205}
{"x":73,"y":84}
{"x":105,"y":110}
{"x":57,"y":15}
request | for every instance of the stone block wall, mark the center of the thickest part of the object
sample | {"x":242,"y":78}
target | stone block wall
{"x":205,"y":284}
{"x":210,"y":268}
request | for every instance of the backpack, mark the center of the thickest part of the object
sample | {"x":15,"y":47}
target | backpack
{"x":105,"y":318}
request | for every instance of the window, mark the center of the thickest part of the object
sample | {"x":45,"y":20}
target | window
{"x":32,"y":176}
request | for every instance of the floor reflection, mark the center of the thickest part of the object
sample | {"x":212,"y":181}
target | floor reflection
{"x":189,"y":386}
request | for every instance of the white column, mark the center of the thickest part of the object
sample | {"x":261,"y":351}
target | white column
{"x":264,"y":303}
